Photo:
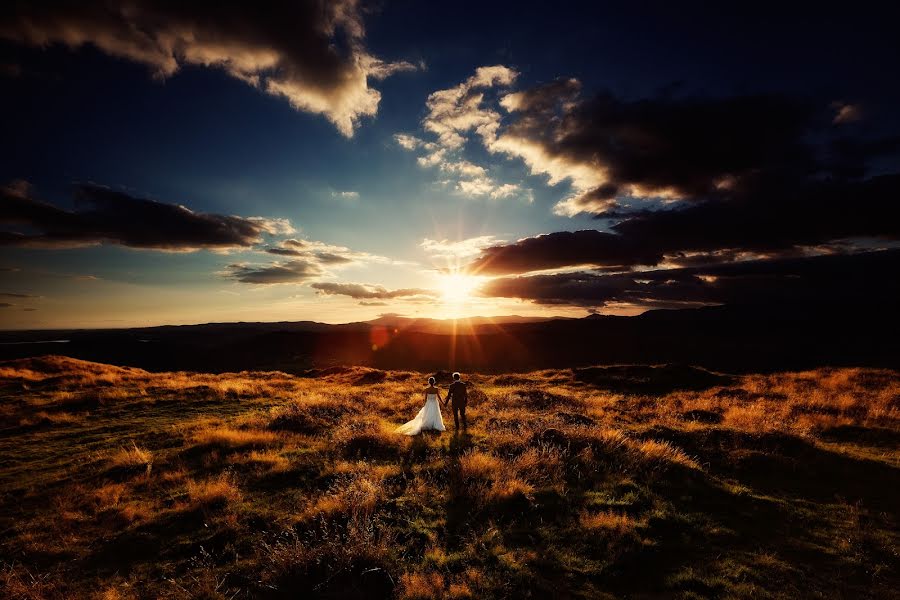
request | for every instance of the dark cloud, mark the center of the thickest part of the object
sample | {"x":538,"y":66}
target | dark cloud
{"x":14,"y":295}
{"x":299,"y":248}
{"x":310,"y":52}
{"x":360,"y":291}
{"x":685,"y":148}
{"x":295,"y":271}
{"x":325,"y":255}
{"x":831,"y":279}
{"x":775,"y":215}
{"x":103,"y":215}
{"x":308,"y":259}
{"x":616,"y":152}
{"x":330,"y":258}
{"x":778,"y":217}
{"x":755,"y":177}
{"x":563,"y":249}
{"x":284,"y":252}
{"x":6,"y":305}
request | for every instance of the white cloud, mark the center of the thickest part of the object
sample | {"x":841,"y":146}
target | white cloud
{"x":454,"y":114}
{"x":433,"y":158}
{"x":508,"y":190}
{"x":482,"y":186}
{"x":488,"y":187}
{"x":463,"y":168}
{"x":458,"y":110}
{"x":461,"y":249}
{"x":407,"y":142}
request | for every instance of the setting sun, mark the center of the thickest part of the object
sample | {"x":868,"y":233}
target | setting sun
{"x":457,"y":287}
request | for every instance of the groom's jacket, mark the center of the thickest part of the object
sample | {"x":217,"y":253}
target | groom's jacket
{"x":458,"y":394}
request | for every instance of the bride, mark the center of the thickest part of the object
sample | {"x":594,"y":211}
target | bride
{"x":430,"y":415}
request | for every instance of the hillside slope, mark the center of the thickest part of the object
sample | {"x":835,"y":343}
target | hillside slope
{"x":600,"y":482}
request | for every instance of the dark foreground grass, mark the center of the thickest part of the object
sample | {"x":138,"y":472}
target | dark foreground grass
{"x":622,"y":482}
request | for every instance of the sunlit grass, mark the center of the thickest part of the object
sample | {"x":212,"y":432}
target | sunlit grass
{"x":229,"y":437}
{"x":241,"y":484}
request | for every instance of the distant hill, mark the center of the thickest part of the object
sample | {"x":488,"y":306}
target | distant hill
{"x":737,"y":339}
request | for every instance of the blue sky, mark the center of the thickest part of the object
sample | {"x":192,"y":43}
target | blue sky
{"x":200,"y":136}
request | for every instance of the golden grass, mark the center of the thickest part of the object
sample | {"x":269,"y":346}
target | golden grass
{"x":367,"y":437}
{"x":356,"y":493}
{"x":109,"y":495}
{"x":661,"y":452}
{"x":479,"y":465}
{"x":422,"y":586}
{"x":56,"y":418}
{"x":270,"y":460}
{"x":301,"y":484}
{"x":607,"y":522}
{"x":133,"y":457}
{"x":229,"y":437}
{"x":215,"y":491}
{"x":115,"y":594}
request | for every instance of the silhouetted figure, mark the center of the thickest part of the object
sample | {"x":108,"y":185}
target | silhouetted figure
{"x":458,"y":396}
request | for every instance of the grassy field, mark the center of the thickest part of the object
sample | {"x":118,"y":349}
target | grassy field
{"x":632,"y":482}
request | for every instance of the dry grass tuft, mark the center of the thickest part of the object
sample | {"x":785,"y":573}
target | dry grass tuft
{"x":661,"y":453}
{"x":116,"y":594}
{"x":132,"y":459}
{"x":422,"y":586}
{"x":271,"y":460}
{"x":607,"y":522}
{"x":109,"y":495}
{"x":310,"y":414}
{"x":357,"y":492}
{"x":479,"y":465}
{"x":368,"y":438}
{"x":214,"y":492}
{"x":333,"y":561}
{"x":226,"y":437}
{"x":20,"y":583}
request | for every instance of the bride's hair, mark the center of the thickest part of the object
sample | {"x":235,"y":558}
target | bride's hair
{"x":431,"y":381}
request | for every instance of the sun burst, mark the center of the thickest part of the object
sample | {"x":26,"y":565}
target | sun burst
{"x":457,"y":288}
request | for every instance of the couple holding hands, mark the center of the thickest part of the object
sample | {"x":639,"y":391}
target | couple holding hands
{"x":430,"y":415}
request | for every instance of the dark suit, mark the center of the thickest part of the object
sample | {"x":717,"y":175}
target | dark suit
{"x":458,"y":396}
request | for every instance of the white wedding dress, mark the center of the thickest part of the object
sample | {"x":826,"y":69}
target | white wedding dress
{"x":428,"y":418}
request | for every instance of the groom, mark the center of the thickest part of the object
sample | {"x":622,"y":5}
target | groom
{"x":457,"y":396}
